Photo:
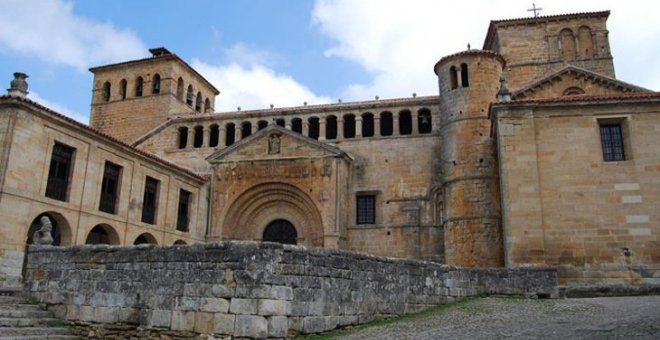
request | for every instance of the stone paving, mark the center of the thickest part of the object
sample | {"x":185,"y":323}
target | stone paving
{"x":511,"y":318}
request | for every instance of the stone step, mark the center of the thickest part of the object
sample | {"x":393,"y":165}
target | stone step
{"x":16,"y":312}
{"x":30,"y":322}
{"x":35,"y":332}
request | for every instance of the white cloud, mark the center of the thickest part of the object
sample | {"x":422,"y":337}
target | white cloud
{"x":254,"y":87}
{"x":51,"y":31}
{"x":83,"y":118}
{"x":399,"y":42}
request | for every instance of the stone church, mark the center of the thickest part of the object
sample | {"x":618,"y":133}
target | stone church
{"x":532,"y":154}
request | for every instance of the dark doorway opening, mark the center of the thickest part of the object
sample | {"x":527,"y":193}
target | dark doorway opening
{"x":281,"y":231}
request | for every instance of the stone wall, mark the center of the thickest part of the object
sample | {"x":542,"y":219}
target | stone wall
{"x":250,"y":289}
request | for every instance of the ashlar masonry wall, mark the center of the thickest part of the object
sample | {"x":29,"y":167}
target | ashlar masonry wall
{"x":249,"y":289}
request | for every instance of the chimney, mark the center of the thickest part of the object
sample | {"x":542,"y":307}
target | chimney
{"x":18,"y":87}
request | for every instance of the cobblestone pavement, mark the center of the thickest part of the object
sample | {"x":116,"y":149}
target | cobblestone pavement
{"x":510,"y":318}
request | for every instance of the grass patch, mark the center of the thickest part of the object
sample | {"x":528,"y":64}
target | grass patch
{"x":376,"y":323}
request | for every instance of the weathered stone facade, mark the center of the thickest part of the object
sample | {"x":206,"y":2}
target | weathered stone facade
{"x":559,"y":171}
{"x":251,"y":289}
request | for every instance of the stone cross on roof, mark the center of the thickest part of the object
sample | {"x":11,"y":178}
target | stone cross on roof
{"x":535,"y":9}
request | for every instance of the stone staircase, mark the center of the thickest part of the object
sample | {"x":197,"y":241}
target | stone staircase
{"x":20,"y":320}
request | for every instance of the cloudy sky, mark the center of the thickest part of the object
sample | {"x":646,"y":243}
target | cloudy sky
{"x":259,"y":52}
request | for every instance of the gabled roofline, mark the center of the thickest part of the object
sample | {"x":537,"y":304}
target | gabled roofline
{"x":10,"y":100}
{"x":218,"y":155}
{"x":608,"y":98}
{"x":578,"y":70}
{"x":494,"y":24}
{"x":156,"y":57}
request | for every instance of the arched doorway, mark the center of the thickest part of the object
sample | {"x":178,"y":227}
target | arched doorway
{"x":281,"y":231}
{"x":102,"y":234}
{"x":36,"y":225}
{"x":145,"y":238}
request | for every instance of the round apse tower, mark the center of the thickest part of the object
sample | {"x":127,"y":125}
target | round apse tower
{"x":469,"y":82}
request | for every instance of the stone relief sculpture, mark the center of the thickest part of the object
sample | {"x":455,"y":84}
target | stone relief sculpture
{"x":274,"y":144}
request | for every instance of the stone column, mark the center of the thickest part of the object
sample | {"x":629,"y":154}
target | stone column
{"x":322,"y":128}
{"x":237,"y":132}
{"x":254,"y":127}
{"x":287,"y":124}
{"x":358,"y":126}
{"x":207,"y":137}
{"x":376,"y":125}
{"x":191,"y":137}
{"x":221,"y":136}
{"x":414,"y":116}
{"x":340,"y":128}
{"x":305,"y":126}
{"x":395,"y":124}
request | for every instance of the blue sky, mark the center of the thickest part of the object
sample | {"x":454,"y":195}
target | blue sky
{"x":259,"y":52}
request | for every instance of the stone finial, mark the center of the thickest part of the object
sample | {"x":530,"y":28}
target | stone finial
{"x":18,"y":86}
{"x":503,"y":95}
{"x":43,"y":235}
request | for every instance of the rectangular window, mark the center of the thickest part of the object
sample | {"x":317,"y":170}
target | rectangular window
{"x":366,"y":209}
{"x":110,"y":188}
{"x":61,"y":162}
{"x":611,"y":140}
{"x":183,"y":211}
{"x":150,"y":200}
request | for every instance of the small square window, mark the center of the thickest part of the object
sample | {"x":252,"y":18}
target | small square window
{"x":366,"y":209}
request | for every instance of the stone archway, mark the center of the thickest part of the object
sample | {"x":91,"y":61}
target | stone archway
{"x":252,"y":211}
{"x":280,"y":231}
{"x":102,"y":234}
{"x":61,"y":233}
{"x":145,"y":238}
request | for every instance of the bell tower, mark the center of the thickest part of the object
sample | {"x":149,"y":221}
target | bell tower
{"x":133,"y":97}
{"x":469,"y":82}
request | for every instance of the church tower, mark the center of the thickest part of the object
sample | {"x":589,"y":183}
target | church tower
{"x":469,"y":82}
{"x":133,"y":97}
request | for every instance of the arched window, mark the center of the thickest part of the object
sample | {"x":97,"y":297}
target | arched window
{"x":199,"y":137}
{"x":183,"y":137}
{"x":102,"y":234}
{"x":215,"y":135}
{"x":122,"y":89}
{"x":405,"y":122}
{"x":573,"y":91}
{"x":296,"y":125}
{"x":179,"y":89}
{"x":139,"y":85}
{"x":313,"y":127}
{"x":106,"y":91}
{"x":280,"y":122}
{"x":453,"y":77}
{"x":262,"y":124}
{"x":367,"y":124}
{"x":246,"y":129}
{"x":586,"y":42}
{"x":198,"y":102}
{"x":464,"y":76}
{"x":331,"y":127}
{"x":424,"y":121}
{"x":189,"y":95}
{"x":155,"y":84}
{"x":567,"y":41}
{"x":349,"y":126}
{"x":386,"y":124}
{"x":145,"y":238}
{"x":230,"y":134}
{"x":207,"y":106}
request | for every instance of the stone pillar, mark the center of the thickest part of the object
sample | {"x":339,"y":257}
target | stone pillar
{"x":207,"y":136}
{"x":358,"y":126}
{"x":254,"y":127}
{"x":237,"y":132}
{"x":305,"y":126}
{"x":322,"y":128}
{"x":340,"y":128}
{"x":221,"y":136}
{"x":287,"y":124}
{"x":191,"y":137}
{"x":395,"y":124}
{"x":414,"y":116}
{"x":376,"y":125}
